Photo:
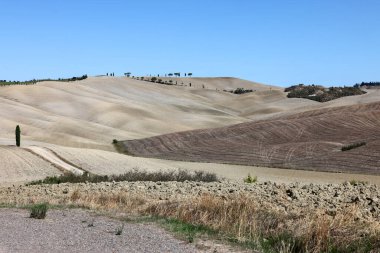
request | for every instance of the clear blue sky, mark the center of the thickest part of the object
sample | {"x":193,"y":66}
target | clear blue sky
{"x":328,"y":42}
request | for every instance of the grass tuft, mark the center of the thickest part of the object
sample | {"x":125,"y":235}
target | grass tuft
{"x":120,"y":230}
{"x":38,"y":211}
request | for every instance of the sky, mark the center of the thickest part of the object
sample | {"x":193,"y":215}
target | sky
{"x":279,"y":42}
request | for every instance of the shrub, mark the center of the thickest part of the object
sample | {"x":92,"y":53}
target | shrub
{"x":132,"y":176}
{"x":357,"y":182}
{"x":119,"y":230}
{"x":38,"y":211}
{"x":114,"y":141}
{"x":241,"y":91}
{"x":249,"y":179}
{"x":321,"y":94}
{"x":353,"y":145}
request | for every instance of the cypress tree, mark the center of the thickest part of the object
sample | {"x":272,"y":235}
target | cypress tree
{"x":18,"y":136}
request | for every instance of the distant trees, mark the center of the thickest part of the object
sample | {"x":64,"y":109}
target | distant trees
{"x":320,"y":93}
{"x":18,"y":136}
{"x":128,"y":74}
{"x":368,"y":84}
{"x":170,"y":74}
{"x":189,"y":74}
{"x":241,"y":91}
{"x":34,"y":81}
{"x":178,"y":74}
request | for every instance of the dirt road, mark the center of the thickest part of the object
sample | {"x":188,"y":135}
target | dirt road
{"x":51,"y":157}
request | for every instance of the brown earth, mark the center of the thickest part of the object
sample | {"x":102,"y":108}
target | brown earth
{"x":79,"y":120}
{"x":309,"y":140}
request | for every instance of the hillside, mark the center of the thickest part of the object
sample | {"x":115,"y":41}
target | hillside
{"x":310,"y":140}
{"x":92,"y":112}
{"x":78,"y":121}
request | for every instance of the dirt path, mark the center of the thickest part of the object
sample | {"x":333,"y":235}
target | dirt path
{"x":50,"y":156}
{"x":82,"y":231}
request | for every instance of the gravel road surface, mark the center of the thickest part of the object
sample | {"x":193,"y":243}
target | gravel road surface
{"x":81,"y":231}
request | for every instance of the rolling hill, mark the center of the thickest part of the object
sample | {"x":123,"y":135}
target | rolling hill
{"x":77,"y":121}
{"x":309,"y":140}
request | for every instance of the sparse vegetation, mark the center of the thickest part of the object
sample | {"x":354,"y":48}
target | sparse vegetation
{"x":133,"y":175}
{"x":357,"y":182}
{"x":248,"y":222}
{"x":249,"y":179}
{"x":34,"y":81}
{"x":186,"y":230}
{"x":38,"y":211}
{"x":353,"y":145}
{"x":320,"y":93}
{"x":239,"y":91}
{"x":119,"y":230}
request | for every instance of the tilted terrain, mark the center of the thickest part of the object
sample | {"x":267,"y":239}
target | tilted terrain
{"x":309,"y":140}
{"x":69,"y":127}
{"x":78,"y":121}
{"x":18,"y":165}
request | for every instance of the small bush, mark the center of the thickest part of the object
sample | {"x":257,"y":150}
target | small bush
{"x":114,"y":141}
{"x":249,"y":179}
{"x":38,"y":211}
{"x":353,"y":145}
{"x":119,"y":230}
{"x":242,"y":91}
{"x":357,"y":182}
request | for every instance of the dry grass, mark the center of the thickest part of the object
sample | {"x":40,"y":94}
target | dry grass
{"x":108,"y":201}
{"x":245,"y":220}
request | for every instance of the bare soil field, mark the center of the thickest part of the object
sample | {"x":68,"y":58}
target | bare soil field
{"x":92,"y":112}
{"x":109,"y":163}
{"x":79,"y":120}
{"x":18,"y":166}
{"x":310,"y":140}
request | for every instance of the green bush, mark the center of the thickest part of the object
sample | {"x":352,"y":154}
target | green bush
{"x":249,"y":179}
{"x":321,"y":94}
{"x":353,"y":145}
{"x":38,"y":211}
{"x":132,"y":176}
